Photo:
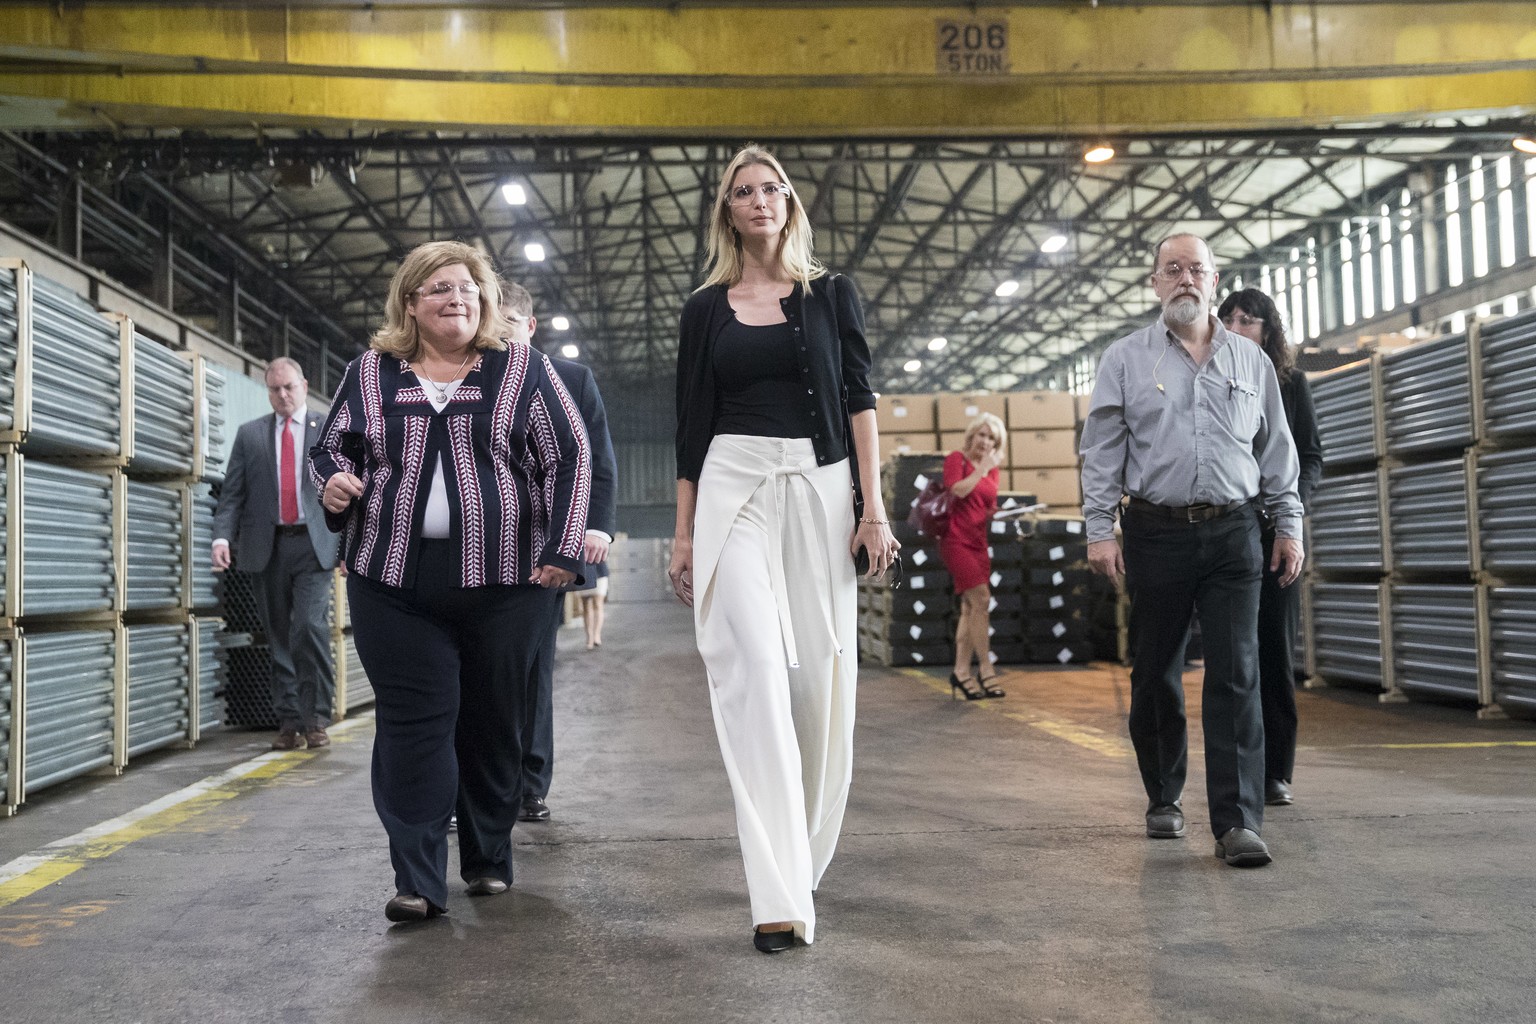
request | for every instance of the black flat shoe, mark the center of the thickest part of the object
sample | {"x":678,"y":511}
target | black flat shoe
{"x":773,"y":942}
{"x":956,"y":683}
{"x":988,"y":690}
{"x":406,"y":907}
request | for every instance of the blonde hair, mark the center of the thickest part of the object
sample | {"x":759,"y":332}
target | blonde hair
{"x":724,"y":242}
{"x":986,"y":421}
{"x":400,"y":337}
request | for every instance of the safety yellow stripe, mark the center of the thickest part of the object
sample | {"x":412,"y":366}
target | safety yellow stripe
{"x":31,"y":872}
{"x":1435,"y":746}
{"x":1085,"y":736}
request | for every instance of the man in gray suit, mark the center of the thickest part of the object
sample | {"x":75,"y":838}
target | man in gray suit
{"x":269,"y":511}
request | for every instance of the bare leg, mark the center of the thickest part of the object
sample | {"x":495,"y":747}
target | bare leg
{"x":588,"y":619}
{"x":978,"y":598}
{"x":597,"y":611}
{"x":965,"y":642}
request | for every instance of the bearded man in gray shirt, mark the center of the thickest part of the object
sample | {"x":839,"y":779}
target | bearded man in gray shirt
{"x":1186,"y":422}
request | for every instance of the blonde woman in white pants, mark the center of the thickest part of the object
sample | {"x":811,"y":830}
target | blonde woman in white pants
{"x":774,"y":410}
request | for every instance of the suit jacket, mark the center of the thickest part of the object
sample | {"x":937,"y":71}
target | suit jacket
{"x":248,"y":515}
{"x":578,"y":380}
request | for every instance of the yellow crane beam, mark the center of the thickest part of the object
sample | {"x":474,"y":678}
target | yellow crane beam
{"x":820,"y":70}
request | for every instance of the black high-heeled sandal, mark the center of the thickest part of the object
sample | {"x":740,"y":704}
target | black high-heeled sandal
{"x":956,"y":683}
{"x":990,"y":691}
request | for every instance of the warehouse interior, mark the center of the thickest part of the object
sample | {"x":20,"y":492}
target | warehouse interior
{"x":188,"y":192}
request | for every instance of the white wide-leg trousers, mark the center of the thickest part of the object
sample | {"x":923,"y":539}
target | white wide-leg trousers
{"x":775,"y":614}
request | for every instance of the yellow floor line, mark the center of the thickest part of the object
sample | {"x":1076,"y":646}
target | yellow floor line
{"x":1435,"y":746}
{"x":1085,"y":736}
{"x":43,"y":867}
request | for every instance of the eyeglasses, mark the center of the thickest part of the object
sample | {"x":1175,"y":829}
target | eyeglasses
{"x":1243,"y":320}
{"x":443,"y":289}
{"x":742,"y":195}
{"x":1175,"y":271}
{"x":514,"y":318}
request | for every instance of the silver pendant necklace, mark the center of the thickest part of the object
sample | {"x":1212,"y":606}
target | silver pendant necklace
{"x":442,"y":389}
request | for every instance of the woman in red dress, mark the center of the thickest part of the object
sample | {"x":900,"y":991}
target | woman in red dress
{"x":970,"y":475}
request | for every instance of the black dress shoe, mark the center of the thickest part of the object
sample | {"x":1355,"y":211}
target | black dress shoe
{"x":534,"y":809}
{"x":773,"y":942}
{"x":486,"y":887}
{"x":1165,"y":821}
{"x":406,"y":907}
{"x":1277,"y":792}
{"x":1242,"y":848}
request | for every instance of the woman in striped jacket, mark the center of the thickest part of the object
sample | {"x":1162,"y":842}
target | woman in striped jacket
{"x":457,"y":469}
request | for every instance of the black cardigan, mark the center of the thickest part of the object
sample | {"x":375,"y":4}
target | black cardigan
{"x":831,"y":350}
{"x":1296,"y":396}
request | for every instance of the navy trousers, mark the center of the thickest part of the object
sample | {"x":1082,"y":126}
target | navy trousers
{"x":450,"y":669}
{"x":1212,"y":569}
{"x":539,"y":728}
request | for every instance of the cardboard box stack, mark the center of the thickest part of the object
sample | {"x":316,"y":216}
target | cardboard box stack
{"x":1057,"y":598}
{"x":1042,"y":448}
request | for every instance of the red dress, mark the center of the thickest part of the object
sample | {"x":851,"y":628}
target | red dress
{"x":964,"y":547}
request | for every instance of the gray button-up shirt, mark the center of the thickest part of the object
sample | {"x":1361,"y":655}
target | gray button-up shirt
{"x":1215,"y":434}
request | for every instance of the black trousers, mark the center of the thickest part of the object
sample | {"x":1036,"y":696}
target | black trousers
{"x":450,"y":669}
{"x":1212,"y":569}
{"x":293,"y":594}
{"x":539,"y":728}
{"x":1279,"y":618}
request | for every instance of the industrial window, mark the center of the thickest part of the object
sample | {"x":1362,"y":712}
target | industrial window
{"x":1454,"y":272}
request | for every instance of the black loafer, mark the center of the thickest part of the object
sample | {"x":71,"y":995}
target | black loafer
{"x":1277,"y":792}
{"x":1242,"y":848}
{"x":1165,"y":821}
{"x":486,"y":887}
{"x":773,"y":942}
{"x":534,"y":809}
{"x":406,"y":907}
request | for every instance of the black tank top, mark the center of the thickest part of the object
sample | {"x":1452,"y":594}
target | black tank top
{"x":757,"y":382}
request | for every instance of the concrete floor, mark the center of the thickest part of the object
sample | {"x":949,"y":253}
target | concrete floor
{"x":992,"y":868}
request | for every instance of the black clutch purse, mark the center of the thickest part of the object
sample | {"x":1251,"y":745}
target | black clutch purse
{"x":893,"y":575}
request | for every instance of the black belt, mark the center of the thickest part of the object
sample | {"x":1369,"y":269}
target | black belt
{"x":1188,"y":513}
{"x":291,"y":529}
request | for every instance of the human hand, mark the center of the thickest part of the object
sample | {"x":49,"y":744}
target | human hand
{"x":552,"y":577}
{"x":680,"y":572}
{"x":595,"y":548}
{"x":1104,"y":558}
{"x":882,"y":545}
{"x":220,"y":555}
{"x":991,"y":460}
{"x":340,"y":490}
{"x":1287,"y":560}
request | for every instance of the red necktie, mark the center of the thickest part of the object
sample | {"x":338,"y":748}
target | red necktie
{"x":287,"y":497}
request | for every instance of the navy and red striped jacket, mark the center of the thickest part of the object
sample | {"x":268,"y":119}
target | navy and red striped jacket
{"x":516,"y":464}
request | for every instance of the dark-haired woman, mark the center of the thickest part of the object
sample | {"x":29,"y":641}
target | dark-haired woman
{"x":1253,"y":314}
{"x":772,"y":375}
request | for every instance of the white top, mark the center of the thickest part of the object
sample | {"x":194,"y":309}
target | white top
{"x":436,"y":524}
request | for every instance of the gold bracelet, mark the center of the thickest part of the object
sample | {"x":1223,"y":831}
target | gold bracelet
{"x":876,"y":522}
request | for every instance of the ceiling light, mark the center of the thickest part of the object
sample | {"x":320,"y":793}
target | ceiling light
{"x":937,"y":343}
{"x":1007,"y":288}
{"x":560,"y":323}
{"x":570,"y":351}
{"x":912,"y":365}
{"x":1526,"y":144}
{"x":1055,"y":243}
{"x":514,"y":194}
{"x":534,"y":251}
{"x":1099,"y":153}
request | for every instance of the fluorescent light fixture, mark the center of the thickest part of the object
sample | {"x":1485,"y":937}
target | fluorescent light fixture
{"x":570,"y":351}
{"x":937,"y":343}
{"x":534,"y":251}
{"x":1525,"y":144}
{"x":1006,"y":289}
{"x":1055,"y":243}
{"x":514,"y":195}
{"x":1098,"y":153}
{"x":560,"y":323}
{"x":912,"y":365}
